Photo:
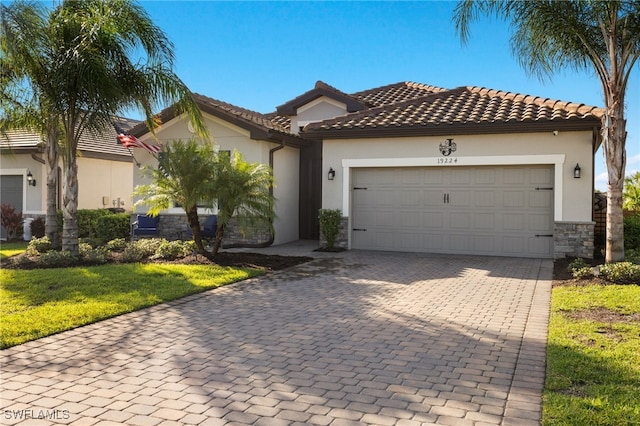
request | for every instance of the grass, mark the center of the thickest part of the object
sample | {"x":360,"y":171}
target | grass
{"x":11,"y":249}
{"x":593,"y":356}
{"x":40,"y":302}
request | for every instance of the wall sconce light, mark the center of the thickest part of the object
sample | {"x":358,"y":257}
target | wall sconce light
{"x":576,"y":171}
{"x":30,"y":180}
{"x":332,"y":174}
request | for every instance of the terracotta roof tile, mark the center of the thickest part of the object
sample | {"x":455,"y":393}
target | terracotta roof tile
{"x":464,"y":105}
{"x":103,"y":143}
{"x":394,"y":93}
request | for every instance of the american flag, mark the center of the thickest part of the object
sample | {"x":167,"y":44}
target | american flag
{"x":130,"y":141}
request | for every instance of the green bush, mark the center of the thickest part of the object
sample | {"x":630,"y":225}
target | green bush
{"x":58,"y":259}
{"x":583,"y":273}
{"x":113,"y":226}
{"x":135,"y":251}
{"x":118,"y":244}
{"x":330,"y":225}
{"x":170,"y":250}
{"x":621,"y":272}
{"x":96,"y":256}
{"x":632,"y":232}
{"x":632,"y":255}
{"x":88,"y":222}
{"x":578,"y":263}
{"x":39,"y":245}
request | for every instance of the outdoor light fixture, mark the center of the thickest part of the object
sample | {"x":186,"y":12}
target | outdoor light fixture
{"x":30,"y":180}
{"x":332,"y":174}
{"x":576,"y":171}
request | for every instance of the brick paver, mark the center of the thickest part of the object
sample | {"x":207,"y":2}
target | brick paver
{"x":349,"y":338}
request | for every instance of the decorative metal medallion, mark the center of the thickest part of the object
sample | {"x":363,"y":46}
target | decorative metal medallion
{"x":447,"y":147}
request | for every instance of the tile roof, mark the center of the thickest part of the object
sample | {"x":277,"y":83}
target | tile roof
{"x":104,"y":143}
{"x":249,"y":116}
{"x":461,"y":106}
{"x":406,"y":105}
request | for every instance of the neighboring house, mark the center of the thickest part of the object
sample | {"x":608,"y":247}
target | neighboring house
{"x":419,"y":168}
{"x":105,"y":172}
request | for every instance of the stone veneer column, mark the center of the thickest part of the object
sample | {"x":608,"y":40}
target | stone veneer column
{"x":573,"y":239}
{"x":342,"y":240}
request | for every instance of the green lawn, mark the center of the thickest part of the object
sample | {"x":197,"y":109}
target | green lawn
{"x":40,"y":302}
{"x":12,"y":248}
{"x":593,"y":356}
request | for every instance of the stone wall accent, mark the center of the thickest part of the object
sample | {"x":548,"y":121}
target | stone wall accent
{"x":175,"y":227}
{"x":573,"y":239}
{"x":342,"y":241}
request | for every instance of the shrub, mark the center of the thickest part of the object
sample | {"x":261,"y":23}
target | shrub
{"x":632,"y":232}
{"x":170,"y":250}
{"x":583,"y":273}
{"x":330,"y":225}
{"x":37,"y":227}
{"x":39,"y":245}
{"x":621,"y":272}
{"x":113,"y":226}
{"x":96,"y":256}
{"x":11,"y":221}
{"x":88,"y":222}
{"x":632,"y":255}
{"x":578,"y":263}
{"x":119,"y":244}
{"x":135,"y":251}
{"x":58,"y":259}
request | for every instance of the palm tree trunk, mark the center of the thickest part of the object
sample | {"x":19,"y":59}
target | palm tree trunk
{"x":218,"y":242}
{"x":194,"y":224}
{"x":615,"y":154}
{"x":51,"y":164}
{"x":70,"y":205}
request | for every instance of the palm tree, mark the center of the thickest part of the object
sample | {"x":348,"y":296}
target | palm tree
{"x":631,"y":193}
{"x":602,"y":36}
{"x":100,"y":58}
{"x":23,"y":53}
{"x":242,"y":191}
{"x":183,"y":176}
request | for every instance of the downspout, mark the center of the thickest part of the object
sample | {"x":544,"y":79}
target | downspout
{"x":38,"y":159}
{"x":269,"y":242}
{"x":595,"y":133}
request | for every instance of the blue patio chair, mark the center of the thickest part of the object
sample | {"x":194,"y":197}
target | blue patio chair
{"x":208,"y":231}
{"x":145,"y":226}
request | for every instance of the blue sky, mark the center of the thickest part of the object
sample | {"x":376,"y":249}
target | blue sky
{"x":258,"y":55}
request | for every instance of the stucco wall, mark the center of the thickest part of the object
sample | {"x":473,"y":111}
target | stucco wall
{"x":317,"y":110}
{"x":227,"y":136}
{"x":102,"y":178}
{"x":96,"y":178}
{"x":567,"y":149}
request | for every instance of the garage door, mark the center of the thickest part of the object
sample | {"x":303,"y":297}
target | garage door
{"x":498,"y":211}
{"x":11,"y":193}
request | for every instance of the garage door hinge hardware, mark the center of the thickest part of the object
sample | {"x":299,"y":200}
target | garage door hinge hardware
{"x":544,"y":235}
{"x":359,"y":229}
{"x":359,"y":187}
{"x":544,"y":188}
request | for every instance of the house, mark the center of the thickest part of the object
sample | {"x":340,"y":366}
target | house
{"x":419,"y":168}
{"x":105,"y":172}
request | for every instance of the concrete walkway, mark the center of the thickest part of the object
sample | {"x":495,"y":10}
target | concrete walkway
{"x":354,"y":338}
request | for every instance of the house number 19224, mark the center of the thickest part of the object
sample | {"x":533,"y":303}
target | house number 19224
{"x":447,"y":160}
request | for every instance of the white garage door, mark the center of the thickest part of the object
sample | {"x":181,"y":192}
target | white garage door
{"x":497,"y":210}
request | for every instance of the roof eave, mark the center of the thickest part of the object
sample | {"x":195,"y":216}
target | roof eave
{"x":454,"y":128}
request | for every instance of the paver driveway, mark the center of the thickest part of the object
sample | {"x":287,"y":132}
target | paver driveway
{"x":354,"y":338}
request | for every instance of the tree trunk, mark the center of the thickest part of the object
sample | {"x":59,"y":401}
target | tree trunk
{"x":218,"y":242}
{"x":70,"y":205}
{"x":51,"y":164}
{"x":615,"y":136}
{"x":194,"y":224}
